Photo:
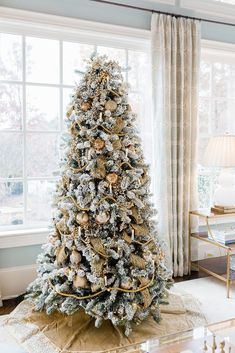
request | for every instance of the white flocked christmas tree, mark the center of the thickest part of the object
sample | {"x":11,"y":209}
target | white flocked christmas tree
{"x":103,"y":253}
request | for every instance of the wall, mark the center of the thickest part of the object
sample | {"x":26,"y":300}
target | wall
{"x":88,"y":10}
{"x":93,"y":11}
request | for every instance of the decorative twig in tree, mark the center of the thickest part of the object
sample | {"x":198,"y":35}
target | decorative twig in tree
{"x":103,"y":254}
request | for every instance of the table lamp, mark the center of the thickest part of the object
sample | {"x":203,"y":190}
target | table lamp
{"x":220,"y":152}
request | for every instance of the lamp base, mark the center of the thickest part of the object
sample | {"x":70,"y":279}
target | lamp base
{"x":225,"y":193}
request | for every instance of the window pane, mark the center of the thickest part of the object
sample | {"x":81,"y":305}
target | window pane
{"x":39,"y":200}
{"x":74,"y":55}
{"x":204,"y":116}
{"x":10,"y":106}
{"x":42,"y":108}
{"x":139,"y":69}
{"x":42,"y":154}
{"x":11,"y":203}
{"x":11,"y":57}
{"x":220,"y":117}
{"x":221,"y":73}
{"x":205,"y":82}
{"x":42,"y":60}
{"x":116,"y":54}
{"x":67,"y":93}
{"x":137,"y":106}
{"x":11,"y":152}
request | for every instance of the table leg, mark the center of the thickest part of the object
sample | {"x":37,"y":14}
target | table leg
{"x":189,"y":245}
{"x":228,"y":274}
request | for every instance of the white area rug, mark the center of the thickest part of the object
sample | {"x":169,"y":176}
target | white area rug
{"x":211,"y":292}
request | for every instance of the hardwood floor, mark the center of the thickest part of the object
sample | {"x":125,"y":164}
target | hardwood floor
{"x":9,"y":305}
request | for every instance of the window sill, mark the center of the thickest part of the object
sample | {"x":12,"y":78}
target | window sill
{"x":23,"y":237}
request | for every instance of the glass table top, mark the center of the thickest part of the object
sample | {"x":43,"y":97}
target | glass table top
{"x":190,"y":341}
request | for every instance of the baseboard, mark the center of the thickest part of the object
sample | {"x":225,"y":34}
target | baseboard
{"x":14,"y":280}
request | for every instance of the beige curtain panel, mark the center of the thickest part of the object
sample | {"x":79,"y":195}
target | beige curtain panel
{"x":175,"y":54}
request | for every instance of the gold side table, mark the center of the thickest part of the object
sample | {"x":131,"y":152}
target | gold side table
{"x":208,"y":265}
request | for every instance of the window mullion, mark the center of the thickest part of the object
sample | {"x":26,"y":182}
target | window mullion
{"x":61,"y":84}
{"x":25,"y":188}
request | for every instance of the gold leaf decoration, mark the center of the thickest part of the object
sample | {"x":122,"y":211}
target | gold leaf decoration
{"x":146,"y":298}
{"x":137,"y":261}
{"x":140,"y":229}
{"x":98,"y":245}
{"x":119,"y":125}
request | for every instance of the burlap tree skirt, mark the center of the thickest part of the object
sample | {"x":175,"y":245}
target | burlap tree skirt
{"x":39,"y":333}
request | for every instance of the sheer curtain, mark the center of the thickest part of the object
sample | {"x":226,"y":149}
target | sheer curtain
{"x":175,"y":55}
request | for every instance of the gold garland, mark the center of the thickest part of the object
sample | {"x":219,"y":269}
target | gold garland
{"x":129,"y":165}
{"x":95,"y":127}
{"x":98,"y":252}
{"x":75,"y":203}
{"x":140,"y":289}
{"x":76,"y":170}
{"x":107,"y":197}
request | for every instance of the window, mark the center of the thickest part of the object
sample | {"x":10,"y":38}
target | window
{"x":37,"y":75}
{"x":216,"y":110}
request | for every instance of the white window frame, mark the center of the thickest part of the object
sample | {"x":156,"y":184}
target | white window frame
{"x":31,"y":24}
{"x":69,"y":29}
{"x":210,"y":7}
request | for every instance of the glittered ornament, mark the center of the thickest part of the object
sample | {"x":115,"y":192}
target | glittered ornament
{"x":75,"y":257}
{"x":80,"y":282}
{"x":112,"y":178}
{"x":82,"y":218}
{"x":61,"y":255}
{"x":85,"y":106}
{"x":102,"y":218}
{"x":98,"y":144}
{"x":111,"y":105}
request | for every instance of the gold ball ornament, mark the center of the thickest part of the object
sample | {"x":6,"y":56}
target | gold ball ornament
{"x":82,"y":218}
{"x":102,"y":218}
{"x":85,"y":106}
{"x":61,"y":255}
{"x":98,"y":144}
{"x":112,"y":178}
{"x":75,"y":257}
{"x":111,"y":105}
{"x":81,"y":282}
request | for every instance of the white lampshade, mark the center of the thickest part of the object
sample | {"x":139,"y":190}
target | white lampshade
{"x":220,"y":152}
